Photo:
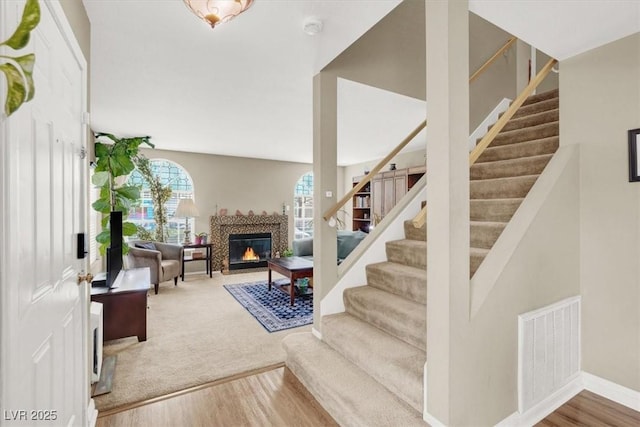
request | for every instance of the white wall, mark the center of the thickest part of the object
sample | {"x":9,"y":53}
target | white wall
{"x":599,"y":103}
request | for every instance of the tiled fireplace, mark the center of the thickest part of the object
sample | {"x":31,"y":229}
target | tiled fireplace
{"x":225,"y":226}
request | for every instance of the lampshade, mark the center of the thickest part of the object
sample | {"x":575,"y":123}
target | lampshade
{"x":214,"y":12}
{"x":186,"y":209}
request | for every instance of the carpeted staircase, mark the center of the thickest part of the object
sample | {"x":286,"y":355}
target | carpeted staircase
{"x":368,"y":368}
{"x":508,"y":168}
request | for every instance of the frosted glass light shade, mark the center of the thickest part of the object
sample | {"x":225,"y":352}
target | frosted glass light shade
{"x":214,"y":12}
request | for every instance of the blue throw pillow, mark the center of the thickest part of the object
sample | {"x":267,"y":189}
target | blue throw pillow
{"x":146,"y":245}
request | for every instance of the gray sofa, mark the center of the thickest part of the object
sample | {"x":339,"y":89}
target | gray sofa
{"x":347,"y":241}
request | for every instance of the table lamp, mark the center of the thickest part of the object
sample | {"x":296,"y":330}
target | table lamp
{"x":186,"y":209}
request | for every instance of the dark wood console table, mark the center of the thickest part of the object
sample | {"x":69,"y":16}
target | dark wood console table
{"x":124,"y":307}
{"x":208,"y":257}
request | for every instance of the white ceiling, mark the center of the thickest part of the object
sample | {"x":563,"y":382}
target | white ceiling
{"x":245,"y":88}
{"x":563,"y":28}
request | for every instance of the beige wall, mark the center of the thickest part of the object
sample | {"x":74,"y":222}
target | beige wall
{"x":599,"y":103}
{"x":237,"y":183}
{"x":391,"y":55}
{"x":77,"y":16}
{"x":552,"y":80}
{"x":543,"y":269}
{"x":499,"y":80}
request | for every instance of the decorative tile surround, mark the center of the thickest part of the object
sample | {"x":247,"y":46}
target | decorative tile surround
{"x":224,"y":225}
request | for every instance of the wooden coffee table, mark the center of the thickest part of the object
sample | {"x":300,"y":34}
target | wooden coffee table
{"x":292,"y":267}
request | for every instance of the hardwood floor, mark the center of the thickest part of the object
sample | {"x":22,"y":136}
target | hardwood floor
{"x":276,"y":398}
{"x":272,"y":398}
{"x":590,"y":410}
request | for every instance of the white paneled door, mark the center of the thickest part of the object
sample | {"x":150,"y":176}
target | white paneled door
{"x":44,"y":371}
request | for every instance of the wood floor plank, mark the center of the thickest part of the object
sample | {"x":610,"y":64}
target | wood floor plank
{"x":272,"y":398}
{"x":588,"y":409}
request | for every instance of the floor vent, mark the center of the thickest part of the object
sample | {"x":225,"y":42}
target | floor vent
{"x":548,"y":351}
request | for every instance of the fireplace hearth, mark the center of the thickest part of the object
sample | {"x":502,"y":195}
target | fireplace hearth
{"x":222,"y":226}
{"x":249,"y":250}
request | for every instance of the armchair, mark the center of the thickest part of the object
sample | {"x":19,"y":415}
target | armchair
{"x":164,"y":260}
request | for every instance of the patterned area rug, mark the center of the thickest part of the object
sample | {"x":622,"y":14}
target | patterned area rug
{"x":272,"y":308}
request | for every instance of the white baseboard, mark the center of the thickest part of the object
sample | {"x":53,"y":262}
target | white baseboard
{"x":612,"y":391}
{"x":539,"y":411}
{"x":316,"y":333}
{"x":431,"y":420}
{"x":584,"y":381}
{"x":92,"y":414}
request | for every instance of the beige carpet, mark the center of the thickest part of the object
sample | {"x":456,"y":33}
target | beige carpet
{"x":196,"y":333}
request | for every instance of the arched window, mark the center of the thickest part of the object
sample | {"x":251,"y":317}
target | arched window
{"x":171,"y":174}
{"x":303,"y":207}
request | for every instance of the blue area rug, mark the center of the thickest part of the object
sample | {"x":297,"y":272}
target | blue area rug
{"x":271,"y":308}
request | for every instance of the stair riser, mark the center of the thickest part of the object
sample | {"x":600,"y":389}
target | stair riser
{"x":507,"y":168}
{"x":494,"y":210}
{"x":410,"y":329}
{"x":346,"y":392}
{"x":475,"y":261}
{"x":412,"y":233}
{"x":484,"y":236}
{"x":523,"y":149}
{"x":538,"y":107}
{"x":539,"y":97}
{"x":502,"y":188}
{"x":528,"y":134}
{"x":532,"y":120}
{"x":403,"y":382}
{"x":407,"y":255}
{"x":412,"y":287}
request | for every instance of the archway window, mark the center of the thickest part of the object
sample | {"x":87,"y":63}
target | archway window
{"x":178,"y":179}
{"x":303,"y":207}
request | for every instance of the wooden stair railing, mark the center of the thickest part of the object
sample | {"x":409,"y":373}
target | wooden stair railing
{"x":329,"y":214}
{"x":420,"y":219}
{"x":495,"y":56}
{"x":335,"y":208}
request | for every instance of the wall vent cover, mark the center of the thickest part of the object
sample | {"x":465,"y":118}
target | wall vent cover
{"x":548,"y":351}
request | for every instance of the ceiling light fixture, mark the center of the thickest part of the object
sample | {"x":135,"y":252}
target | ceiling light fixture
{"x":215,"y":12}
{"x":312,"y":26}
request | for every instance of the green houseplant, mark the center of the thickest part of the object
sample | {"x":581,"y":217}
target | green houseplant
{"x":114,"y":161}
{"x":18,"y":70}
{"x":160,"y":195}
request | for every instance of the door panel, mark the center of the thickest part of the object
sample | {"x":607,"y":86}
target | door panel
{"x":376,"y":199}
{"x":400,"y":181}
{"x":43,"y":357}
{"x":388,"y":196}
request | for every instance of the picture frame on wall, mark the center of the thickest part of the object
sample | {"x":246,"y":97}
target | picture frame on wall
{"x":634,"y":155}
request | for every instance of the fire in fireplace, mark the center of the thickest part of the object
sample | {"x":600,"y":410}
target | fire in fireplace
{"x":249,"y":250}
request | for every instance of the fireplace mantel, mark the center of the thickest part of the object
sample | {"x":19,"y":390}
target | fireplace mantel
{"x":224,"y":225}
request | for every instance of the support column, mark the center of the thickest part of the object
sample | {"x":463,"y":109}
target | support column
{"x":325,"y":172}
{"x":447,"y":33}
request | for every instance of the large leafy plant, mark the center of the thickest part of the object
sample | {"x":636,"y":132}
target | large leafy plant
{"x":160,"y":195}
{"x":18,"y":70}
{"x":116,"y":159}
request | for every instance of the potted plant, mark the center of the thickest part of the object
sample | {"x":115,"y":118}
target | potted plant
{"x":114,"y":161}
{"x":201,"y":238}
{"x":160,"y":195}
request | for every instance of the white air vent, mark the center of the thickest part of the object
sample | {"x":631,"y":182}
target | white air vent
{"x":548,"y":351}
